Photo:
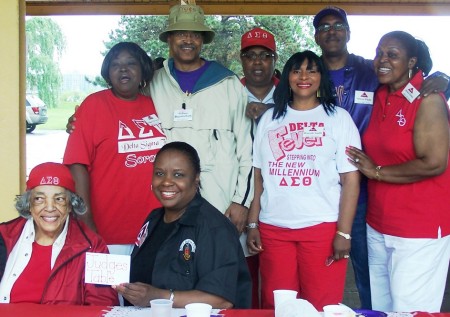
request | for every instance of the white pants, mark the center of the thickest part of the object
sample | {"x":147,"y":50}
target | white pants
{"x":407,"y":274}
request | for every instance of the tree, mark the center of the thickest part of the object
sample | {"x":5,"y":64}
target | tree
{"x":292,"y":34}
{"x":45,"y":45}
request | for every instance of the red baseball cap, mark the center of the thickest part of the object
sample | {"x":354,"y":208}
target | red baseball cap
{"x":53,"y":174}
{"x":258,"y":37}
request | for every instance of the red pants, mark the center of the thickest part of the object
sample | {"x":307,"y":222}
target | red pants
{"x":295,"y":259}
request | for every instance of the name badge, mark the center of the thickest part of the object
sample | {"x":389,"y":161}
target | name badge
{"x":182,"y":115}
{"x":151,"y":120}
{"x":410,"y":92}
{"x":313,"y":132}
{"x":364,"y":97}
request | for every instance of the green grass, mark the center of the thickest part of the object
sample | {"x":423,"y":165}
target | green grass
{"x":57,"y":117}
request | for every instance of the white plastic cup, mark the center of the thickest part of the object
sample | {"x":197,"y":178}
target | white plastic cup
{"x":198,"y":310}
{"x":336,"y":311}
{"x":161,"y":307}
{"x":282,"y":295}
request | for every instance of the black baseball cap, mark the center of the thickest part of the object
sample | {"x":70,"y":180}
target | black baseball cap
{"x":330,"y":10}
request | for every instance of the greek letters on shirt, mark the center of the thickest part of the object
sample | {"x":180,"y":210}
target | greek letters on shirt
{"x":292,"y":168}
{"x":139,"y":135}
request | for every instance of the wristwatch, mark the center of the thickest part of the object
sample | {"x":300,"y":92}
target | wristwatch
{"x":344,"y":235}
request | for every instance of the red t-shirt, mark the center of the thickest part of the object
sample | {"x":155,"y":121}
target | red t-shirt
{"x":29,"y":286}
{"x":117,"y":140}
{"x":414,"y":210}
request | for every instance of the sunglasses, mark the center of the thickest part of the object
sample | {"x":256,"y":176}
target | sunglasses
{"x":337,"y":27}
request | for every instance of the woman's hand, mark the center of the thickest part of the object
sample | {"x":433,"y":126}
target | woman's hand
{"x":341,"y":248}
{"x":361,"y":161}
{"x":70,"y":126}
{"x":254,"y":241}
{"x":138,"y":294}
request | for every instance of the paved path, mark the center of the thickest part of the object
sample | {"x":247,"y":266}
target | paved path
{"x":45,"y":146}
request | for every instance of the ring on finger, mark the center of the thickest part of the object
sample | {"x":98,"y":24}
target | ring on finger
{"x":346,"y":256}
{"x":356,"y":160}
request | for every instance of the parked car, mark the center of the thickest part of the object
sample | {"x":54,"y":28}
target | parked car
{"x":36,"y":112}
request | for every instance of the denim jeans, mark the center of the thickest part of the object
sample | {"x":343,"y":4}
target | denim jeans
{"x":359,"y":256}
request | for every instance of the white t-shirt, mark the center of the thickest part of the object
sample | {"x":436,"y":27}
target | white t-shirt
{"x":300,"y":156}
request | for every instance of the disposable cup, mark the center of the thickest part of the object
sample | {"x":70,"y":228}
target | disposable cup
{"x":161,"y":307}
{"x":281,"y":295}
{"x":336,"y":311}
{"x":198,"y":310}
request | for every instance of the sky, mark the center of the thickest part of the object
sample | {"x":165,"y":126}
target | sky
{"x":85,"y":36}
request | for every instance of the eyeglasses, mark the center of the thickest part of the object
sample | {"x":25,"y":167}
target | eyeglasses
{"x":264,"y":56}
{"x":337,"y":27}
{"x":184,"y":35}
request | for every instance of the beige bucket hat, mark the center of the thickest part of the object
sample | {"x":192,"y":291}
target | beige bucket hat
{"x":187,"y":17}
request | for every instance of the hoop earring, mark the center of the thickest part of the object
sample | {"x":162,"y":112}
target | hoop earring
{"x":143,"y":84}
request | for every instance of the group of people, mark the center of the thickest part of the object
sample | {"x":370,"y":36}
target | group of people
{"x":168,"y":170}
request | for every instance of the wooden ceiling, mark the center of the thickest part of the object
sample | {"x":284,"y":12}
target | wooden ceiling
{"x":238,"y":7}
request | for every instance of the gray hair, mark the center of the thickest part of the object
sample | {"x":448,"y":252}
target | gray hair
{"x":23,"y":203}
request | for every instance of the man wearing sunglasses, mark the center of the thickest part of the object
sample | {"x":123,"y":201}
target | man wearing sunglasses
{"x":258,"y":58}
{"x":355,"y":81}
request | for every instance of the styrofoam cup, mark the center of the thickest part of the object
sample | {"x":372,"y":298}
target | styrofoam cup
{"x":161,"y":307}
{"x":198,"y":310}
{"x":281,"y":295}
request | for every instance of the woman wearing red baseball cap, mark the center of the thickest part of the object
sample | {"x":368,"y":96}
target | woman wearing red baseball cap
{"x":42,"y":252}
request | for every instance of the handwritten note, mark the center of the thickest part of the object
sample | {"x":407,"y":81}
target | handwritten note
{"x":107,"y":269}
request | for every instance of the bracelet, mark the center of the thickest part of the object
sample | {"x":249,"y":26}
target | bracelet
{"x":377,"y":173}
{"x":172,"y":294}
{"x":344,"y":235}
{"x":253,"y":225}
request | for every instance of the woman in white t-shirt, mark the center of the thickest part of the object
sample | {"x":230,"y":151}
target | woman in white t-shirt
{"x":306,"y":190}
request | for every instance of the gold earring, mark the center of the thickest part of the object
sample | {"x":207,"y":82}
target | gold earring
{"x":318,"y":93}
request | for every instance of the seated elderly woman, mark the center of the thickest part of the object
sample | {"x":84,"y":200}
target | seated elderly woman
{"x":42,"y":253}
{"x":186,"y":251}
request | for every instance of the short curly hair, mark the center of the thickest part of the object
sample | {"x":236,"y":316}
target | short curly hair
{"x":23,"y":203}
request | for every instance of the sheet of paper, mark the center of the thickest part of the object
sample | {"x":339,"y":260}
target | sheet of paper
{"x":107,"y":269}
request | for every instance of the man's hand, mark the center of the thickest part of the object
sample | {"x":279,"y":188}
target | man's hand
{"x":434,"y":84}
{"x":255,"y":109}
{"x":70,"y":126}
{"x":238,"y":216}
